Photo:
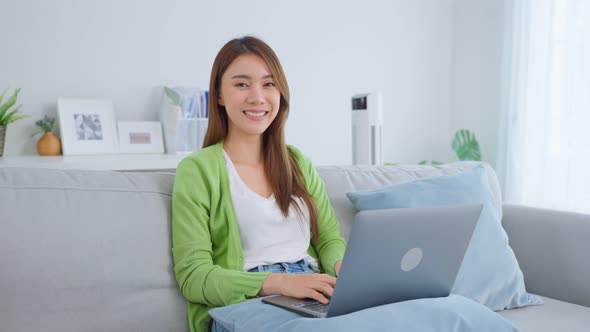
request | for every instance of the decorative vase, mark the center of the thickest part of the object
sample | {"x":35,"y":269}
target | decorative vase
{"x":49,"y":145}
{"x":2,"y":138}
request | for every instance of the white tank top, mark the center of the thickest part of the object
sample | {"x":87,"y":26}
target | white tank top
{"x":267,"y":236}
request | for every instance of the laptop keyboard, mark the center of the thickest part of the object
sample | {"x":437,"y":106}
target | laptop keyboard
{"x":313,"y":306}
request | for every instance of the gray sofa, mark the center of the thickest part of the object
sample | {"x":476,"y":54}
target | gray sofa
{"x":91,"y":250}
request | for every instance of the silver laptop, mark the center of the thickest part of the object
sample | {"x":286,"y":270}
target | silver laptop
{"x":396,"y":255}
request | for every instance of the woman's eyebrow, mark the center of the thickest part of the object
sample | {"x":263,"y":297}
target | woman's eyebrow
{"x":248,"y":77}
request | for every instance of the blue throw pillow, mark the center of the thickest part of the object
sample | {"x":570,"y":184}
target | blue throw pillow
{"x":490,"y":273}
{"x":453,"y":314}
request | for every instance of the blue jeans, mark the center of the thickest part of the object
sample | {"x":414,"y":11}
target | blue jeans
{"x":299,"y":267}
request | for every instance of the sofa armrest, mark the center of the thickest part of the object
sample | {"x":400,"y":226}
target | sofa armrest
{"x":552,"y":249}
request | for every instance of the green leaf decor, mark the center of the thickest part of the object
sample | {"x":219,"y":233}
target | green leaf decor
{"x":466,"y":146}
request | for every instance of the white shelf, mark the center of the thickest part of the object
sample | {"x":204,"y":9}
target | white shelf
{"x":119,"y":162}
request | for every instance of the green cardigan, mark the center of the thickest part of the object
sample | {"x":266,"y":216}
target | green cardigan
{"x":208,"y":255}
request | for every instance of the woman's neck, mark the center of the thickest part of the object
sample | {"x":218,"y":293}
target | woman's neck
{"x":244,"y":150}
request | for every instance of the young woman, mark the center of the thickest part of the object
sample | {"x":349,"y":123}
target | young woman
{"x":250,"y":216}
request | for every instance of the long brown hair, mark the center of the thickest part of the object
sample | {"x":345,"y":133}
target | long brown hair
{"x":282,"y":169}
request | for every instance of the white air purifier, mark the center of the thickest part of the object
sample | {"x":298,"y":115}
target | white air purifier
{"x":366,"y":129}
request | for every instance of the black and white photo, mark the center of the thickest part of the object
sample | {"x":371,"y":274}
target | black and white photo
{"x":87,"y":126}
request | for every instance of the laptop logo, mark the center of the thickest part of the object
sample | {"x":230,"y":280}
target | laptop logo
{"x":411,"y":259}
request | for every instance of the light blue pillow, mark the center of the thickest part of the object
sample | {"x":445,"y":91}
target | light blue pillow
{"x":453,"y":314}
{"x":490,"y":273}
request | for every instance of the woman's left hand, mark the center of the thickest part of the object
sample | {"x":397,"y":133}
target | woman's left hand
{"x":337,"y":267}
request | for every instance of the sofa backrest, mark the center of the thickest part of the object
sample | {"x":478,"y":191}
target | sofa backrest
{"x":341,"y":179}
{"x":87,"y":251}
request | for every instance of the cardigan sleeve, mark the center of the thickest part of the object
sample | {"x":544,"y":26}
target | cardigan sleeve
{"x":199,"y":279}
{"x":331,"y":245}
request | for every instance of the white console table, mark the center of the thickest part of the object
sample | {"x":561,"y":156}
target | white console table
{"x":119,"y":162}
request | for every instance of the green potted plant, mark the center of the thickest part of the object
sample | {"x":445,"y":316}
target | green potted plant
{"x":465,"y":146}
{"x":8,"y":114}
{"x":48,"y":144}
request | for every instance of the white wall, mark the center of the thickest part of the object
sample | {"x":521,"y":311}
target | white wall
{"x":477,"y":71}
{"x":125,"y":50}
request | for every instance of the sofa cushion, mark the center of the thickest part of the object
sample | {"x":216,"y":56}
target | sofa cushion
{"x":490,"y":273}
{"x":87,"y":251}
{"x":341,"y":179}
{"x":553,"y":316}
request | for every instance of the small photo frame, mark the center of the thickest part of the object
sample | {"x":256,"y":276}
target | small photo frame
{"x":87,"y":126}
{"x":140,"y":137}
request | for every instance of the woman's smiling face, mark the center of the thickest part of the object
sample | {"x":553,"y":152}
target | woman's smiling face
{"x":249,"y":95}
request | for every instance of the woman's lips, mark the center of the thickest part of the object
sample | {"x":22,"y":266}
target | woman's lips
{"x":255,"y":115}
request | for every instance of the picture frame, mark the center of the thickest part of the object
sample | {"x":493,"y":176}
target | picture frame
{"x":87,"y":126}
{"x":140,"y":137}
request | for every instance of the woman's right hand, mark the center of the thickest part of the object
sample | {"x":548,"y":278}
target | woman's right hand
{"x":314,"y":286}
